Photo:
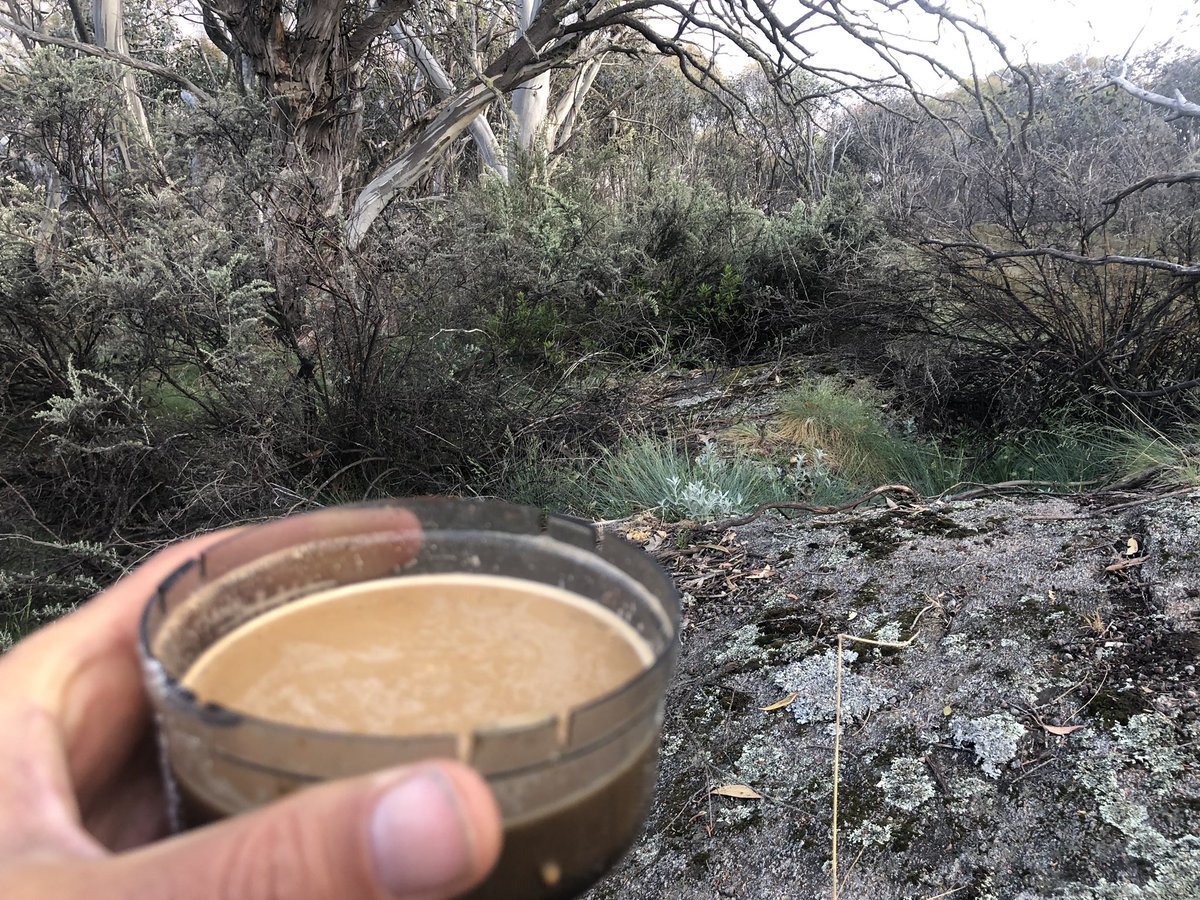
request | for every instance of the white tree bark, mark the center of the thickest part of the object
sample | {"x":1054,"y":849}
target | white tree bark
{"x":108,"y":21}
{"x":531,"y":101}
{"x":561,"y":121}
{"x":480,"y":128}
{"x":417,"y":159}
{"x":1179,"y":104}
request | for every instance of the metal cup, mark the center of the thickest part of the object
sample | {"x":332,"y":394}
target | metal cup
{"x":573,"y":787}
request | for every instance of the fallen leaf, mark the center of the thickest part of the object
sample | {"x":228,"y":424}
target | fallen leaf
{"x":947,"y":710}
{"x":1061,"y":729}
{"x":1125,"y":564}
{"x":780,"y":704}
{"x":891,"y":504}
{"x":740,"y":791}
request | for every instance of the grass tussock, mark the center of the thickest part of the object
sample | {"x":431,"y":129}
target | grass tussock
{"x":649,"y":473}
{"x":846,"y":431}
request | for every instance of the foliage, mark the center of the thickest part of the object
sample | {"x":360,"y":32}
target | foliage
{"x":187,"y":339}
{"x":646,"y":473}
{"x":1001,"y":341}
{"x":848,"y":426}
{"x":1078,"y":455}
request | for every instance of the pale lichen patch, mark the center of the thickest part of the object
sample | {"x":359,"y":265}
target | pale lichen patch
{"x":742,"y":646}
{"x":813,"y":680}
{"x":907,"y":784}
{"x":994,"y":739}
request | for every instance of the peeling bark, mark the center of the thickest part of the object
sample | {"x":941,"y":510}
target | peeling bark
{"x":481,"y":130}
{"x":543,"y":47}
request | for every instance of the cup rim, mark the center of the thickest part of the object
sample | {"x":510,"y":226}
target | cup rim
{"x":462,"y":743}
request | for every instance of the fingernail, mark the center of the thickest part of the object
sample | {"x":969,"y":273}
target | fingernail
{"x":419,"y":837}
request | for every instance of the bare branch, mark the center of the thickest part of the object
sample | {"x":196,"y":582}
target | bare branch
{"x":93,"y":50}
{"x":1114,"y":202}
{"x":990,"y":254}
{"x":384,"y":16}
{"x":1178,"y":104}
{"x":1173,"y":178}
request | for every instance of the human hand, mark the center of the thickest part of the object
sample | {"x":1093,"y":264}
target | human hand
{"x":81,"y":803}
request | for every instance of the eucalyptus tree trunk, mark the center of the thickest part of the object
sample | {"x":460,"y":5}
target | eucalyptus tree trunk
{"x":543,"y":46}
{"x":311,"y":70}
{"x":455,"y":117}
{"x":108,"y":22}
{"x":530,"y":101}
{"x":481,"y":130}
{"x":561,"y":121}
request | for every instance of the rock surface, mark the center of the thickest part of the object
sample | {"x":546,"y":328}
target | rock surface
{"x":1038,"y":738}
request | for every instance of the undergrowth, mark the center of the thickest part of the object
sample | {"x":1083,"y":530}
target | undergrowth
{"x":830,"y":442}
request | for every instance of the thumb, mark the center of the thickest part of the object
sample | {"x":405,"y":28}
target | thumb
{"x":422,"y":833}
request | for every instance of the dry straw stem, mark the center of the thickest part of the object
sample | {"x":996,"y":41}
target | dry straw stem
{"x":837,"y":732}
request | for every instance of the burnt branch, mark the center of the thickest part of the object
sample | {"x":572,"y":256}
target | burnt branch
{"x":1114,"y":202}
{"x":990,"y":254}
{"x":1151,"y":181}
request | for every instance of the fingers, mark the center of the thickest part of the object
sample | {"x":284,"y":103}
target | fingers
{"x":72,"y":692}
{"x":427,"y":832}
{"x":83,"y":673}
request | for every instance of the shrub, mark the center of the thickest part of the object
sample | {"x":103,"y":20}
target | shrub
{"x":1008,"y":343}
{"x":646,"y":473}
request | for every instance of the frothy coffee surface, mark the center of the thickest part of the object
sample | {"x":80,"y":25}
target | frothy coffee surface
{"x":421,"y":654}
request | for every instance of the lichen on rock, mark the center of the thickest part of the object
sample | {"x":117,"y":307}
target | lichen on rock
{"x":994,"y":739}
{"x":813,"y":681}
{"x":907,"y":783}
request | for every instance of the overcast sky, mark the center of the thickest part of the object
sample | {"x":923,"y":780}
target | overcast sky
{"x":1050,"y":30}
{"x":1038,"y":30}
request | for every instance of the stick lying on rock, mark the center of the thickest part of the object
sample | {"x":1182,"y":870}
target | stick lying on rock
{"x":722,"y":524}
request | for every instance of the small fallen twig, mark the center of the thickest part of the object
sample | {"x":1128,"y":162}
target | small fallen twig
{"x":722,"y":524}
{"x":1001,"y":487}
{"x":837,"y":735}
{"x":1154,"y":499}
